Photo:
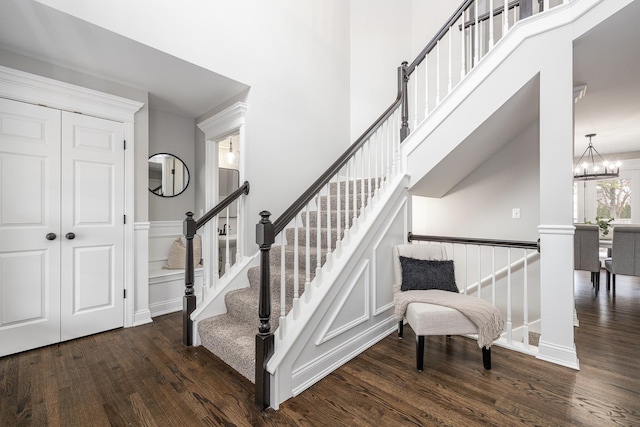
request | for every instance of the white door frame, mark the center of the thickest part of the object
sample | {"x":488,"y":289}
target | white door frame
{"x":215,"y":128}
{"x":34,"y":89}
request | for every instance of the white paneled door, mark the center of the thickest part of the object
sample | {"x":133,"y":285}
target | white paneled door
{"x":61,"y":225}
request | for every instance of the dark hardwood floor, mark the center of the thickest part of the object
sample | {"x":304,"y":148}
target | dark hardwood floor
{"x":144,"y":376}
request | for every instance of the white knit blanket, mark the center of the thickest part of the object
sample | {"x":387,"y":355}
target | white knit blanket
{"x":484,"y":315}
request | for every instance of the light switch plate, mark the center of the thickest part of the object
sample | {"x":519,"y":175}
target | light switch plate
{"x":515,"y":213}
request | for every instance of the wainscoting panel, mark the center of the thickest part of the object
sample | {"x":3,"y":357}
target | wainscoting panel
{"x":166,"y":287}
{"x":355,"y":311}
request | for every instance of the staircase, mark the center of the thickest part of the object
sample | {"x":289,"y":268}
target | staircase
{"x":347,"y":304}
{"x":231,"y":336}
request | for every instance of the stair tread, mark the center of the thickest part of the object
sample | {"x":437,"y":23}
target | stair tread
{"x":231,"y":336}
{"x":232,"y":341}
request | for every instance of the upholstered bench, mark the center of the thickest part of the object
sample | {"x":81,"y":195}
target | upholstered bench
{"x":434,"y":318}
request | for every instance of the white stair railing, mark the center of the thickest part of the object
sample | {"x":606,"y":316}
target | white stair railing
{"x":500,"y":272}
{"x":459,"y":46}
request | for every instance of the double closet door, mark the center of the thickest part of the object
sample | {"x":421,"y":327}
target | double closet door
{"x":61,"y":225}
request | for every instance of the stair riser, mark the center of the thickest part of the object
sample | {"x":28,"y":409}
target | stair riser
{"x":313,"y":237}
{"x":290,"y":256}
{"x":343,"y":204}
{"x":244,"y":309}
{"x":254,"y":281}
{"x":368,"y":183}
{"x":313,"y":220}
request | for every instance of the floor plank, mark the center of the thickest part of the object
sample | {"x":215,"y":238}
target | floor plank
{"x":144,"y":376}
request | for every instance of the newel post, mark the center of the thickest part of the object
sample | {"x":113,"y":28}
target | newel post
{"x":403,"y":80}
{"x":189,"y":301}
{"x":265,"y":237}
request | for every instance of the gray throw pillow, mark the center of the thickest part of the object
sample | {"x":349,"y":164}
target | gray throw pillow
{"x":420,"y":274}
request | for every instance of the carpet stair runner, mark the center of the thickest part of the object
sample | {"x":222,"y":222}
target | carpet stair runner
{"x":231,"y":336}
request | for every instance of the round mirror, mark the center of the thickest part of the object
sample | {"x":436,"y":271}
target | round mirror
{"x":168,"y":175}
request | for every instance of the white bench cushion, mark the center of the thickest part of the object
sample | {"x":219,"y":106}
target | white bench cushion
{"x":430,"y":319}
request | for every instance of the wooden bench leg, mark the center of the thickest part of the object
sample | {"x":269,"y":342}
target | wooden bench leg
{"x":400,"y":329}
{"x":486,"y":358}
{"x":420,"y":352}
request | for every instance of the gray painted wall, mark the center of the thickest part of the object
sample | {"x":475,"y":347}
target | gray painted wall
{"x":169,"y":133}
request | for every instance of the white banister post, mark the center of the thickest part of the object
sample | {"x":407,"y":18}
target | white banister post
{"x":556,"y":199}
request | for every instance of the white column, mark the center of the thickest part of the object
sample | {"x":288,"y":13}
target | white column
{"x":556,"y":216}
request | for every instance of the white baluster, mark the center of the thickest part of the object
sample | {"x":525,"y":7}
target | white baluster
{"x":347,"y":214}
{"x":227,"y":253}
{"x":490,"y":24}
{"x":328,"y":254}
{"x":338,"y":217}
{"x":525,"y":303}
{"x":466,"y":267}
{"x":239,"y":228}
{"x":476,"y":32}
{"x":463,"y":52}
{"x":426,"y":86}
{"x":505,"y":18}
{"x":377,"y":138}
{"x":369,"y":174}
{"x":216,"y":251}
{"x":415,"y":99}
{"x":450,"y":83}
{"x":493,"y":275}
{"x":354,"y":217}
{"x":318,"y":240}
{"x":283,"y":301}
{"x":438,"y":72}
{"x":545,"y":5}
{"x":362,"y":201}
{"x":509,"y":324}
{"x":307,"y":255}
{"x":394,"y":142}
{"x":390,"y":130}
{"x":479,"y":271}
{"x":296,"y":268}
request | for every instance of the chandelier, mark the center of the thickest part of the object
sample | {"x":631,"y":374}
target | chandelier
{"x":591,"y":165}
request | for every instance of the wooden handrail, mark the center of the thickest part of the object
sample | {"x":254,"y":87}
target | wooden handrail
{"x":190,"y":226}
{"x":243,"y":189}
{"x":439,"y":35}
{"x":288,"y":215}
{"x":473,"y":241}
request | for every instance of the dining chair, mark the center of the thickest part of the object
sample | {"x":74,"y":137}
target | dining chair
{"x":586,"y":251}
{"x":625,"y":253}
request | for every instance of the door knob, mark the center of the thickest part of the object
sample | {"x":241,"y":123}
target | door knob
{"x":51,"y":236}
{"x":70,"y":236}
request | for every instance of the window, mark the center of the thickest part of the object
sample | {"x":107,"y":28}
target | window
{"x":613,"y":199}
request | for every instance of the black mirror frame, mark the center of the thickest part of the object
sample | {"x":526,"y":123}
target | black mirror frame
{"x":186,"y":185}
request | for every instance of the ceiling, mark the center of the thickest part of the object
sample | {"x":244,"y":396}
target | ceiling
{"x":607,"y":60}
{"x":31,"y":29}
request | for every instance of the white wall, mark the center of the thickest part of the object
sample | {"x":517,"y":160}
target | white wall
{"x":481,"y":204}
{"x":295,"y":57}
{"x":173,"y":134}
{"x":427,"y":16}
{"x":380,"y":34}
